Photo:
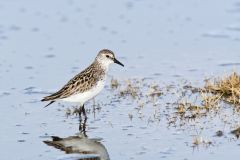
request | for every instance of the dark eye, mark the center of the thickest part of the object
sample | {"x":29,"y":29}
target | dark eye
{"x":107,"y":56}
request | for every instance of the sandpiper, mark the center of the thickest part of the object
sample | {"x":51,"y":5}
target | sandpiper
{"x":88,"y":83}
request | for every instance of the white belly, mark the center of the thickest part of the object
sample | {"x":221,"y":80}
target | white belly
{"x":85,"y":96}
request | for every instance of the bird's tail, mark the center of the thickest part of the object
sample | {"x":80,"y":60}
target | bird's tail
{"x":48,"y":98}
{"x":53,"y":97}
{"x":49,"y":104}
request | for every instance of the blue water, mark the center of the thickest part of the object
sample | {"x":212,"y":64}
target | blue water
{"x":45,"y":43}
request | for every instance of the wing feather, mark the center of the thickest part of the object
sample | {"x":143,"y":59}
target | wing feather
{"x":78,"y":84}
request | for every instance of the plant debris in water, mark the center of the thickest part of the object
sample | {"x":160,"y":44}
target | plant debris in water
{"x":197,"y":141}
{"x":182,"y":105}
{"x":191,"y":102}
{"x":227,"y":88}
{"x":236,"y":132}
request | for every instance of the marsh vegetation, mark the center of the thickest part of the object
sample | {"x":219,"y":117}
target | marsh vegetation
{"x":176,"y":98}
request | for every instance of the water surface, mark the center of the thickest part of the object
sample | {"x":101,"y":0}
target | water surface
{"x":45,"y":43}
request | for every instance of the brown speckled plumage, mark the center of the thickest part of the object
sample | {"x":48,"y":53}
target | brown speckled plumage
{"x":82,"y":82}
{"x":76,"y":90}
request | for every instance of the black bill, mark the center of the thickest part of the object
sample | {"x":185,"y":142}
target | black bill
{"x":116,"y":61}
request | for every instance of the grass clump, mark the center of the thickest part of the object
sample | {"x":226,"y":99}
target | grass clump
{"x":227,"y":88}
{"x":114,"y":83}
{"x":131,"y":88}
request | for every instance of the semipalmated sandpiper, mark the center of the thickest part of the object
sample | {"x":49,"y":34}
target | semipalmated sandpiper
{"x":87,"y":84}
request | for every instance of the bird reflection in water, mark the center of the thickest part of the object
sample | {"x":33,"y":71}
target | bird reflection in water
{"x":84,"y":148}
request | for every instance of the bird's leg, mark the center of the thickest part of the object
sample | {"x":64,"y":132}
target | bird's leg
{"x":80,"y":118}
{"x":84,"y":112}
{"x":80,"y":111}
{"x":84,"y":126}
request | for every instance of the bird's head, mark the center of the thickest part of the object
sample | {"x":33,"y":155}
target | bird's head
{"x":107,"y":57}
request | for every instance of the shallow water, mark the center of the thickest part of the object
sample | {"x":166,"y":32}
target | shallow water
{"x":44,"y":43}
